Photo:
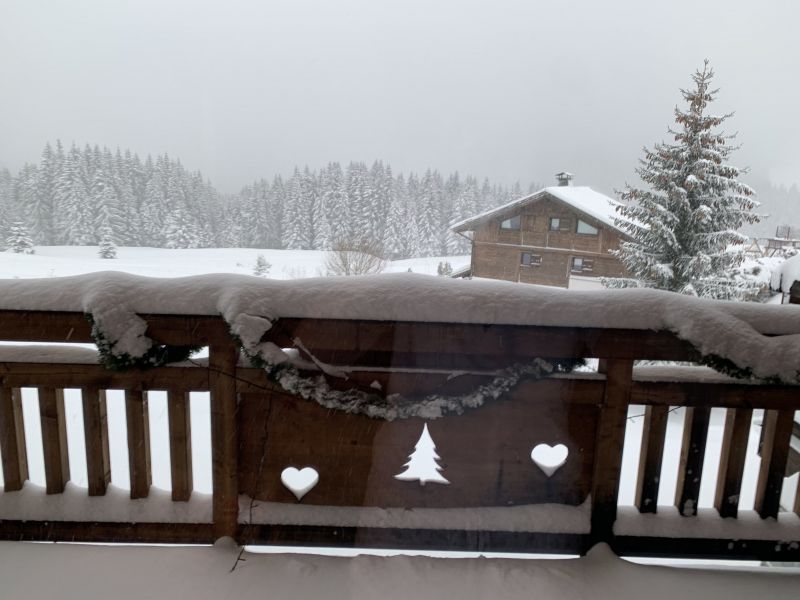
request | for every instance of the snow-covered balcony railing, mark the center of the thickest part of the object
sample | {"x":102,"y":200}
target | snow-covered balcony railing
{"x":358,"y":379}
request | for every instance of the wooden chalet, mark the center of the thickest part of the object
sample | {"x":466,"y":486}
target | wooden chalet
{"x":557,"y":236}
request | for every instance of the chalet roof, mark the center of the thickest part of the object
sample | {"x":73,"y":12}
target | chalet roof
{"x":582,"y":198}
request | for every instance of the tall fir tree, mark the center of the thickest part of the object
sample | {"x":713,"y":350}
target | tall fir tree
{"x":684,"y":226}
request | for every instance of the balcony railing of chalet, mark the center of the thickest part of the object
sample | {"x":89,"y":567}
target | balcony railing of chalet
{"x":497,"y":498}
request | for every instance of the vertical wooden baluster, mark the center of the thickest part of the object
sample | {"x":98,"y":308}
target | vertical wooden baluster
{"x":608,"y":451}
{"x":650,"y":457}
{"x":180,"y":444}
{"x":138,"y":442}
{"x":54,"y":439}
{"x":95,"y":432}
{"x":224,"y":442}
{"x":693,"y":451}
{"x":12,"y":439}
{"x":732,"y":458}
{"x":774,"y":454}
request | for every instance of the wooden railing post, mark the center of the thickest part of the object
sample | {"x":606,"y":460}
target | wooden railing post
{"x":224,"y":439}
{"x":774,"y":454}
{"x":12,"y":439}
{"x":138,"y":418}
{"x":54,"y":439}
{"x":608,"y":451}
{"x":95,"y":428}
{"x":180,"y":444}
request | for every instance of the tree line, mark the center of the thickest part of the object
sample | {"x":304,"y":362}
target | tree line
{"x":83,"y":196}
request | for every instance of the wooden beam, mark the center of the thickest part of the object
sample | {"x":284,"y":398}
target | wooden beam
{"x":54,"y":439}
{"x":732,"y":458}
{"x":693,"y":451}
{"x":774,"y":454}
{"x":725,"y":395}
{"x":136,"y":412}
{"x":12,"y":439}
{"x":650,"y":457}
{"x":180,"y":444}
{"x":95,"y":431}
{"x":96,"y":532}
{"x":412,"y":539}
{"x":94,"y":375}
{"x":608,"y":453}
{"x":704,"y":548}
{"x":224,"y":439}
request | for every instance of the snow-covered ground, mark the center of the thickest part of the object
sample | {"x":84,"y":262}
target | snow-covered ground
{"x":61,"y":261}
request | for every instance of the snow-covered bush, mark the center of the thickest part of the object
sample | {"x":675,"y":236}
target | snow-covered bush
{"x":108,"y":248}
{"x":262,"y":267}
{"x":18,"y":239}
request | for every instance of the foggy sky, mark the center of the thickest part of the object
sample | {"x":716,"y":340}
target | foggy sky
{"x":512,"y":90}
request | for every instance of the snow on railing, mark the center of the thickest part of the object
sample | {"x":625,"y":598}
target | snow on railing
{"x":404,"y":432}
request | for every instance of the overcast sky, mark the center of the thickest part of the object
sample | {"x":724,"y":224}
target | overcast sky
{"x":506,"y":89}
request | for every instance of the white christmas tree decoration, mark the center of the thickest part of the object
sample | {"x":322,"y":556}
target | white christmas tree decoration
{"x":422,"y":465}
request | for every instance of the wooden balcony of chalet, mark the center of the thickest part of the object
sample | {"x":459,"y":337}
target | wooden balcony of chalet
{"x":490,"y":504}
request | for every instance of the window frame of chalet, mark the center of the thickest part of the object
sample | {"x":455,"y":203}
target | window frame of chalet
{"x":514,"y":223}
{"x":586,"y":264}
{"x":531,"y":262}
{"x":594,"y":230}
{"x":564,"y":224}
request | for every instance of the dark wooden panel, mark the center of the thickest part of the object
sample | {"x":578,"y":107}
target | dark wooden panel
{"x":610,"y":440}
{"x":224,"y":438}
{"x":412,"y":539}
{"x":333,"y":340}
{"x":95,"y":429}
{"x":54,"y":439}
{"x":774,"y":454}
{"x":732,"y":458}
{"x":180,"y":444}
{"x":80,"y":531}
{"x":485,"y":453}
{"x":12,"y":439}
{"x":650,"y":456}
{"x":693,"y":451}
{"x":136,"y":411}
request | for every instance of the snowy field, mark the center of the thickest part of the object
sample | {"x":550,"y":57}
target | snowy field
{"x":61,"y":261}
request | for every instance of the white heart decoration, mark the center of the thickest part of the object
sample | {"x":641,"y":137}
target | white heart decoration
{"x":549,"y":458}
{"x":299,"y":482}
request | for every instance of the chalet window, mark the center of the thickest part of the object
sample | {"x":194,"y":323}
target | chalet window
{"x":585,"y":228}
{"x":582,"y":265}
{"x":559,"y":224}
{"x":526,"y":259}
{"x":512,"y":223}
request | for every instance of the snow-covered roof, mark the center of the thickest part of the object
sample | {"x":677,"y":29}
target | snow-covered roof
{"x":582,"y":198}
{"x":789,"y":272}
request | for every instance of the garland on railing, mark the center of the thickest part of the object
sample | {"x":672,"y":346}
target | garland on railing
{"x":156,"y":355}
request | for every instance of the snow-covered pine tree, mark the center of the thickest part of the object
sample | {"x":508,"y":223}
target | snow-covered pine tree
{"x":19,"y":240}
{"x":684,"y":226}
{"x":262,"y":267}
{"x":107,"y":249}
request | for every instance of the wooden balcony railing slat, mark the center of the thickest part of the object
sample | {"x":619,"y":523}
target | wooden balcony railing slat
{"x":95,"y":428}
{"x":774,"y":454}
{"x":693,"y":452}
{"x":732,"y":458}
{"x":224,"y":438}
{"x":12,"y":439}
{"x":180,"y":444}
{"x":54,"y":439}
{"x":650,"y":457}
{"x":138,"y":422}
{"x":610,"y":441}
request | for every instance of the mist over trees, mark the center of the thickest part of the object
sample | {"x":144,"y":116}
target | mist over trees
{"x":82,"y":196}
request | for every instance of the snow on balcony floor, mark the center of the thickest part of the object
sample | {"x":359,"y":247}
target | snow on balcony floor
{"x":72,"y":572}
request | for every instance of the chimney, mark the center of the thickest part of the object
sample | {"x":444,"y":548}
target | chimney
{"x":563,"y":178}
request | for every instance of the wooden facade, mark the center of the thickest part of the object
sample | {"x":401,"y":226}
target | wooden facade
{"x":541,"y":242}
